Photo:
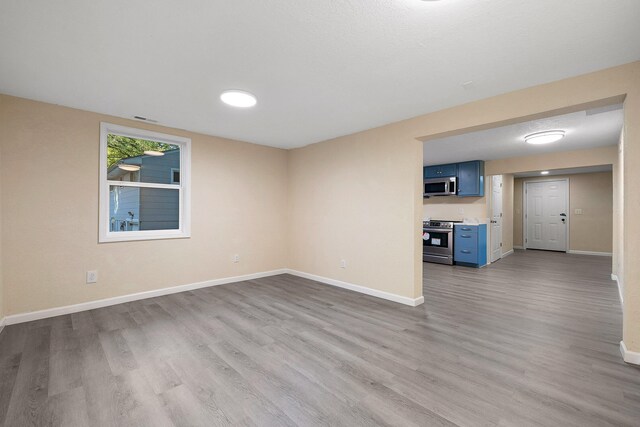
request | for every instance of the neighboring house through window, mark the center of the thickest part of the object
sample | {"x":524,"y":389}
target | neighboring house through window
{"x":144,"y":185}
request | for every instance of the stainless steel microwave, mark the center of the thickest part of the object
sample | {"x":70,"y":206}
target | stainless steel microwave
{"x":440,"y":186}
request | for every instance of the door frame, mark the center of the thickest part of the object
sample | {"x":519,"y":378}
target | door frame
{"x":490,"y":254}
{"x":525,"y":182}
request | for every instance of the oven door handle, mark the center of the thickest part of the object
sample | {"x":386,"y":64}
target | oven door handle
{"x":437,"y":230}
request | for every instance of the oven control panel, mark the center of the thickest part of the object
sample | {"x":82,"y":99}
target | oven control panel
{"x":437,"y":224}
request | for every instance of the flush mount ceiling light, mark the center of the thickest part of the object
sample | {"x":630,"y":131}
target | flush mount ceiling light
{"x":544,"y":173}
{"x":128,"y":167}
{"x":238,"y":98}
{"x":153,"y":153}
{"x":546,"y":137}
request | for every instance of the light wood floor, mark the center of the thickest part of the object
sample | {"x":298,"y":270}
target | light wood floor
{"x":530,"y":340}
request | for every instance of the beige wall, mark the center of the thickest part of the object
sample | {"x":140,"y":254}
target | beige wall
{"x":507,"y":212}
{"x":50,"y":212}
{"x":631,"y":206}
{"x":357,"y":199}
{"x":517,"y":214}
{"x":455,"y":208}
{"x":560,"y":160}
{"x":591,"y":192}
{"x":618,"y":216}
{"x":2,"y":309}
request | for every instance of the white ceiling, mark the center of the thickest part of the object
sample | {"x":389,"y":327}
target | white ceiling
{"x":320,"y":69}
{"x":569,"y":171}
{"x":584,"y":129}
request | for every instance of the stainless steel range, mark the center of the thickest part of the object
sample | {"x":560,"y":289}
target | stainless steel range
{"x":437,"y":241}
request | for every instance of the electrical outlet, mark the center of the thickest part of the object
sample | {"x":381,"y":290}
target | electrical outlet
{"x":92,"y":276}
{"x":236,"y":258}
{"x":461,"y":211}
{"x":343,"y":263}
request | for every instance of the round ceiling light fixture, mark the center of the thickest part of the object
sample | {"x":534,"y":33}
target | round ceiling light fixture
{"x":153,"y":153}
{"x":544,"y":173}
{"x":129,"y":168}
{"x":546,"y":137}
{"x":238,"y":98}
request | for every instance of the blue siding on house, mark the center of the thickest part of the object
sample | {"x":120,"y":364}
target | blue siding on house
{"x":158,"y":169}
{"x":159,"y":209}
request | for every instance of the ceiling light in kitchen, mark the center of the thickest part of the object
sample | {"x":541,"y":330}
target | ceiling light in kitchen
{"x":546,"y":137}
{"x":544,"y":173}
{"x":238,"y":98}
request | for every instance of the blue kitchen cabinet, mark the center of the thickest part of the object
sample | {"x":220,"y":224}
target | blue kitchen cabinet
{"x":471,"y":179}
{"x":440,"y":171}
{"x":470,"y":245}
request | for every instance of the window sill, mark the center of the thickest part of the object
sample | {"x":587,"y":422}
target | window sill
{"x":132,"y":236}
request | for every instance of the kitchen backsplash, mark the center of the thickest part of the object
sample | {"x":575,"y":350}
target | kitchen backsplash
{"x":454,"y":208}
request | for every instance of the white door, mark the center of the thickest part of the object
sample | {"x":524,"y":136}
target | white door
{"x":496,"y":217}
{"x":546,"y":215}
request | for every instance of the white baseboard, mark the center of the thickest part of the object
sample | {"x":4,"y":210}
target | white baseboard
{"x":506,"y":254}
{"x":629,"y":356}
{"x":90,"y":305}
{"x":413,"y":302}
{"x":589,"y":253}
{"x":617,"y":280}
{"x":518,"y":247}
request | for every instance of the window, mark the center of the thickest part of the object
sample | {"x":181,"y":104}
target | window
{"x":175,"y":176}
{"x":144,"y":185}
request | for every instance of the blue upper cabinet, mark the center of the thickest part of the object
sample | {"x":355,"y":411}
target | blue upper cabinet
{"x":440,"y":171}
{"x":471,"y":179}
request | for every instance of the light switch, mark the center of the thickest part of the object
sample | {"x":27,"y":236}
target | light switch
{"x":578,"y":211}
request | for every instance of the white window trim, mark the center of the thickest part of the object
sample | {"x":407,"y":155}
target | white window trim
{"x":184,"y":230}
{"x":171,"y":175}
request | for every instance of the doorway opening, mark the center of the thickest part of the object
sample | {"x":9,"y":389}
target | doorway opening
{"x":496,"y":217}
{"x":523,"y":196}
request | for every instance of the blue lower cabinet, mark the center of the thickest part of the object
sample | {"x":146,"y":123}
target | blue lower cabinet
{"x":470,"y":245}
